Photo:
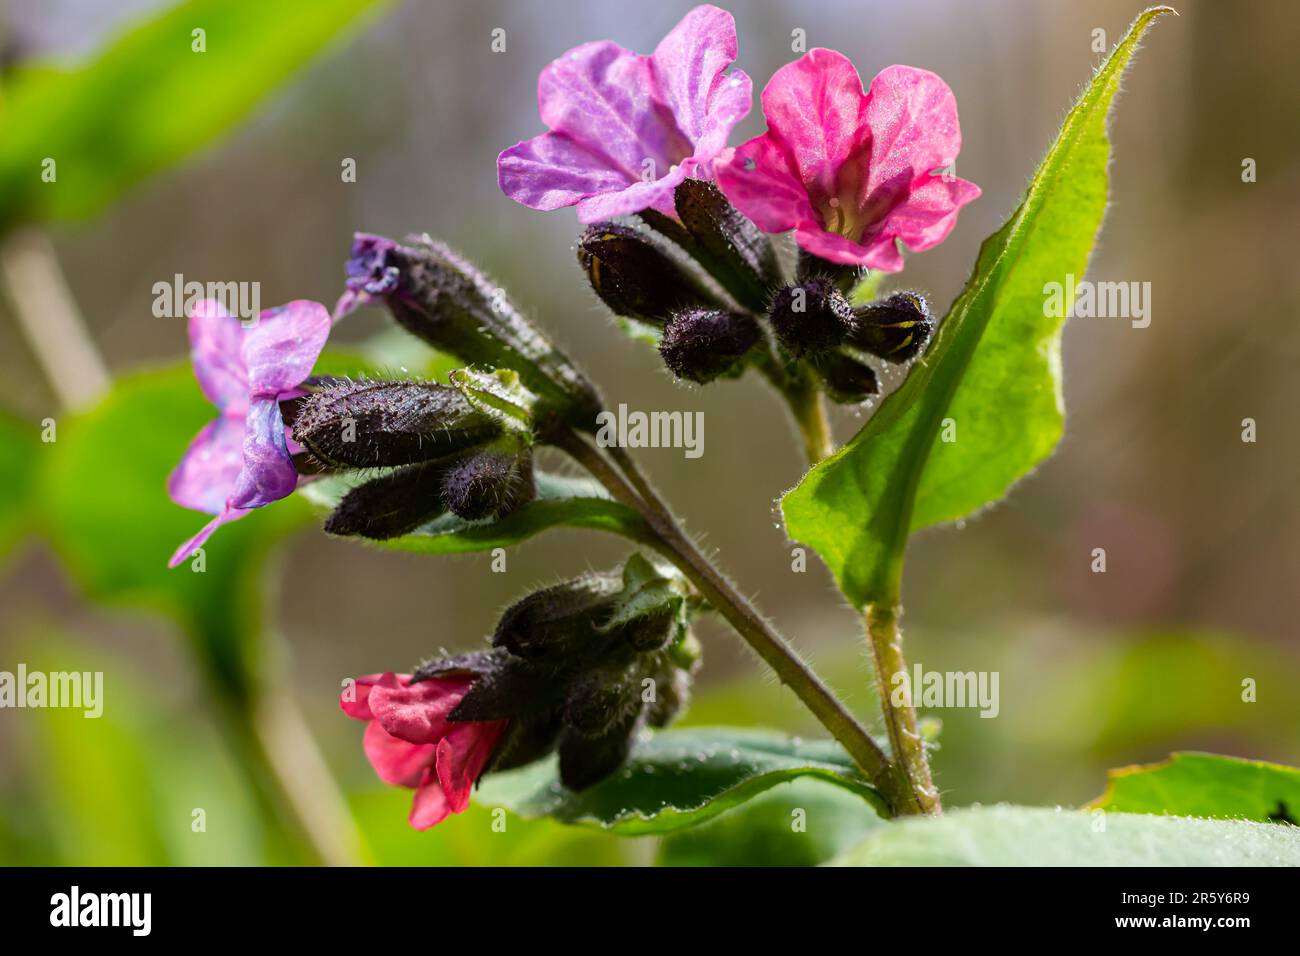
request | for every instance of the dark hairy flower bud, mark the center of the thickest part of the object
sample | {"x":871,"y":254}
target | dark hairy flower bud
{"x":896,"y":328}
{"x":554,"y":623}
{"x":703,"y":344}
{"x":635,"y":277}
{"x":449,"y":303}
{"x":586,"y":760}
{"x":723,"y":241}
{"x":844,"y":277}
{"x":391,"y":505}
{"x":490,"y":483}
{"x":368,"y":424}
{"x":811,"y":318}
{"x":845,"y":379}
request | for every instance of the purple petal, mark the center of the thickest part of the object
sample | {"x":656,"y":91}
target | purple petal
{"x":280,"y":350}
{"x":196,"y":542}
{"x":268,"y":473}
{"x":603,"y":98}
{"x":657,"y":195}
{"x":215,"y":338}
{"x":688,"y":66}
{"x":207,"y":472}
{"x":551,"y":171}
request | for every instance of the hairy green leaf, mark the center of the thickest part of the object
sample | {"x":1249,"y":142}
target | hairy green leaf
{"x":983,"y":407}
{"x":1033,"y":836}
{"x":148,"y":99}
{"x":1206,"y":785}
{"x":677,"y":779}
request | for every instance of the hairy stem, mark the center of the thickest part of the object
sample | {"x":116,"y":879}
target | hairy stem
{"x":803,"y":398}
{"x":910,"y":762}
{"x":636,"y":492}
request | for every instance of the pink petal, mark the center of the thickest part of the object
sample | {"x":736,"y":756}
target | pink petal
{"x":928,"y":214}
{"x":879,"y":253}
{"x":430,"y":806}
{"x":551,"y":171}
{"x":653,"y":195}
{"x":268,"y":473}
{"x":207,"y":471}
{"x":359,"y":706}
{"x":196,"y":542}
{"x":462,"y":755}
{"x":688,"y":66}
{"x":816,"y":110}
{"x":215,"y":340}
{"x":758,"y":180}
{"x":396,"y":761}
{"x":603,"y":97}
{"x":418,"y":712}
{"x":912,"y":115}
{"x":280,"y":350}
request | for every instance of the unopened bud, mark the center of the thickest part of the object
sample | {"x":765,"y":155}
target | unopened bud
{"x":449,"y":303}
{"x":702,"y":344}
{"x":550,"y":625}
{"x":369,"y":424}
{"x":896,"y":328}
{"x":845,"y":379}
{"x":811,"y":318}
{"x":635,"y":277}
{"x":391,"y":505}
{"x":490,"y":483}
{"x":844,"y":277}
{"x":727,"y":244}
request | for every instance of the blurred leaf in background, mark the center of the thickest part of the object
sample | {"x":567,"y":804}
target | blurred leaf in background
{"x":163,"y":89}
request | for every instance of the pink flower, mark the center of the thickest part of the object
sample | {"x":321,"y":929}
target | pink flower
{"x":626,"y":129}
{"x":411,"y":743}
{"x":851,"y":172}
{"x":241,"y":459}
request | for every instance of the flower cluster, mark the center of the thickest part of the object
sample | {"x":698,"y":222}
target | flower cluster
{"x":678,"y":245}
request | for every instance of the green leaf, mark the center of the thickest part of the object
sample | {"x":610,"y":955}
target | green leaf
{"x":1025,"y":836}
{"x":561,"y":502}
{"x":148,"y":99}
{"x":993,"y":372}
{"x":678,"y":779}
{"x":801,"y":823}
{"x":647,"y":591}
{"x":1206,"y":785}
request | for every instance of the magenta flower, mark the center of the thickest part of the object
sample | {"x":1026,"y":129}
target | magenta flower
{"x":241,"y":459}
{"x":411,"y":743}
{"x":851,"y":172}
{"x":626,"y":129}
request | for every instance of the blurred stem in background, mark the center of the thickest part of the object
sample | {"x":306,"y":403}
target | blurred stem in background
{"x":306,"y":814}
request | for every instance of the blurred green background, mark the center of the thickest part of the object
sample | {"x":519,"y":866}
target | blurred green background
{"x":221,"y":688}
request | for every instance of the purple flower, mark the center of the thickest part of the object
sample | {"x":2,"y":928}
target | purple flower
{"x":241,"y":459}
{"x":626,"y":129}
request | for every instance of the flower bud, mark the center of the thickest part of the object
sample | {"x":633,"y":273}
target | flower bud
{"x":844,"y":277}
{"x":391,"y":505}
{"x":895,"y":329}
{"x":724,"y":241}
{"x":845,"y":379}
{"x":702,"y":344}
{"x":369,"y":424}
{"x":449,"y":303}
{"x":551,"y":625}
{"x":490,"y":483}
{"x":586,"y":760}
{"x":811,"y":318}
{"x":635,"y":277}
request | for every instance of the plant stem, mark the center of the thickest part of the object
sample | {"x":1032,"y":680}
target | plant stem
{"x":732,"y":605}
{"x":911,"y":763}
{"x":803,"y":398}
